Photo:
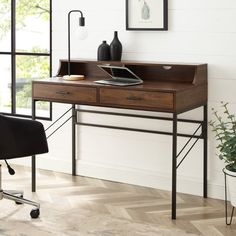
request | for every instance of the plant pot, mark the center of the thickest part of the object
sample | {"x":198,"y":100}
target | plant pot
{"x":231,"y":182}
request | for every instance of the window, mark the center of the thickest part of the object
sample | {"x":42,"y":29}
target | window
{"x":25,"y":53}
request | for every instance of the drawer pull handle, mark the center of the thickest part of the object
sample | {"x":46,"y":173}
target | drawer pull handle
{"x":63,"y":92}
{"x":134,"y":98}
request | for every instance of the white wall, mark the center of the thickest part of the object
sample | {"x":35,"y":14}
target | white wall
{"x":199,"y":31}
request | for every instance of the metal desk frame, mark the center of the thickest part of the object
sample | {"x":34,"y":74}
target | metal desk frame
{"x":175,"y":156}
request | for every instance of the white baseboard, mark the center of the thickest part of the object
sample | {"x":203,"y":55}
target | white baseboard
{"x":122,"y":174}
{"x":148,"y":178}
{"x":46,"y":163}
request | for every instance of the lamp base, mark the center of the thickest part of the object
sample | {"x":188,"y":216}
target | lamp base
{"x":73,"y":77}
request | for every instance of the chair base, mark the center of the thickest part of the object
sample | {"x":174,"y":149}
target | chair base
{"x":17,"y":196}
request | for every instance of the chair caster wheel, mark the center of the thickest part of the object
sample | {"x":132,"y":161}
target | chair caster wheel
{"x":35,"y":213}
{"x":19,"y":203}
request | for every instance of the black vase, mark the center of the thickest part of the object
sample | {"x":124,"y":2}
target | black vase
{"x":103,"y":52}
{"x":116,"y":48}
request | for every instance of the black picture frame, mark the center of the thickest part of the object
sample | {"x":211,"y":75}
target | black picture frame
{"x":139,"y":15}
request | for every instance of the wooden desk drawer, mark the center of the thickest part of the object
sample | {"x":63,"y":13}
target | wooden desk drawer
{"x":137,"y":99}
{"x":62,"y":93}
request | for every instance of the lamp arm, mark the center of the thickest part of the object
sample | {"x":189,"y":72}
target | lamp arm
{"x":81,"y":23}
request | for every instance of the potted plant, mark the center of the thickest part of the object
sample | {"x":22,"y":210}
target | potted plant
{"x":224,"y":127}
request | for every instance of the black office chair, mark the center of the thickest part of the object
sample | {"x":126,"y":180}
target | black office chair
{"x":20,"y":138}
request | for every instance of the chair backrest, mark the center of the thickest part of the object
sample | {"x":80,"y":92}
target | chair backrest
{"x":21,"y":137}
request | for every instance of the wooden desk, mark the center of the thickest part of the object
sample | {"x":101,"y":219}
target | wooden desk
{"x":167,"y":87}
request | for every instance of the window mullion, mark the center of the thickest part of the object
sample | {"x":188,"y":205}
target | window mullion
{"x":13,"y":56}
{"x":50,"y":45}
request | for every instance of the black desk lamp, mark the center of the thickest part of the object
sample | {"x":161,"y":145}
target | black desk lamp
{"x":82,"y":24}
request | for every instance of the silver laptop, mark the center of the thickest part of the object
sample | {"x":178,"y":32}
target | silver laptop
{"x":120,"y":76}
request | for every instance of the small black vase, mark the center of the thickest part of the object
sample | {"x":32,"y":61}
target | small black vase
{"x":116,"y":48}
{"x":103,"y":52}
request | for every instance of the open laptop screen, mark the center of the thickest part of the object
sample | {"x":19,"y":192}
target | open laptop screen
{"x":119,"y":72}
{"x":120,"y":76}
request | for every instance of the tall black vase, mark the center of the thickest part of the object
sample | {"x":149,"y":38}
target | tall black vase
{"x":116,"y":48}
{"x":103,"y":52}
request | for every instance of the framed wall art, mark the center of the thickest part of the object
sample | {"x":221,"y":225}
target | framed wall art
{"x":146,"y":14}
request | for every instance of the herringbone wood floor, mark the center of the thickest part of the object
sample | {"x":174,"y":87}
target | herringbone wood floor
{"x":138,"y":204}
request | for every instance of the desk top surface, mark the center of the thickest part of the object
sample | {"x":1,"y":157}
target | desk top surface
{"x":150,"y":85}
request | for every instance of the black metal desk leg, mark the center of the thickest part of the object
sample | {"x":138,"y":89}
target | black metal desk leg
{"x":33,"y":170}
{"x":205,"y":122}
{"x":174,"y":170}
{"x":33,"y":161}
{"x":73,"y":140}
